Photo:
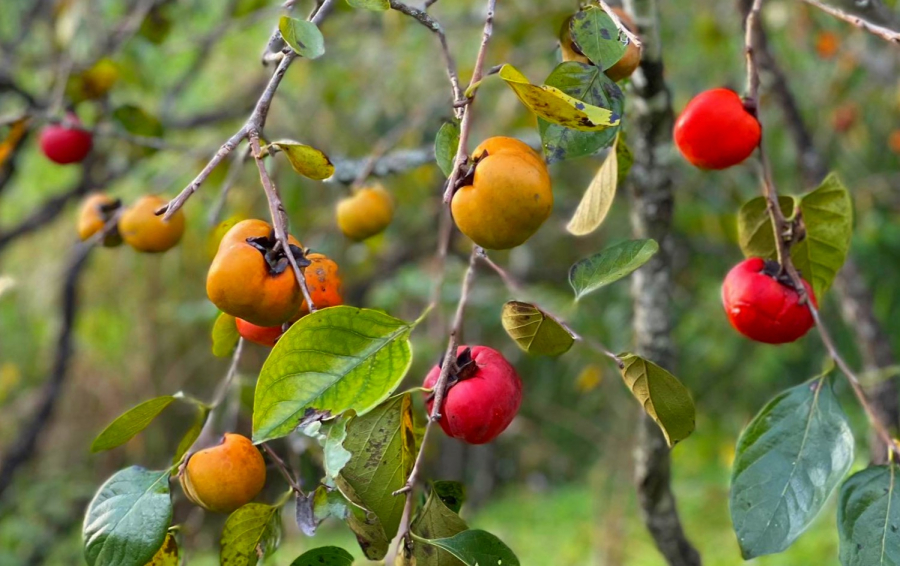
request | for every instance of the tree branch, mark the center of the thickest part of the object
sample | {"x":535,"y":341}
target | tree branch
{"x":880,"y":31}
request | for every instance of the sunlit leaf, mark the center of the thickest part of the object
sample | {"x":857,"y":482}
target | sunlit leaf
{"x":306,"y":160}
{"x":303,"y":37}
{"x":610,"y":265}
{"x":129,"y":423}
{"x":330,"y":361}
{"x":598,"y":197}
{"x":374,"y":5}
{"x":554,"y":105}
{"x":597,"y":36}
{"x":662,"y":396}
{"x":446,"y":144}
{"x":225,"y":335}
{"x":869,"y":517}
{"x":251,"y":532}
{"x":127,"y":521}
{"x":535,"y":331}
{"x":324,"y":556}
{"x":475,"y":548}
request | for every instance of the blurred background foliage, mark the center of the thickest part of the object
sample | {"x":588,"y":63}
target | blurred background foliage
{"x":557,"y":485}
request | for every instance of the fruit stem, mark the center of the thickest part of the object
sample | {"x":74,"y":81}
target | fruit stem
{"x":283,"y":468}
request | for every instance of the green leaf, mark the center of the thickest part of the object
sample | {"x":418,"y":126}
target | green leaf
{"x":452,"y":493}
{"x":303,"y":36}
{"x":598,"y":197}
{"x":332,"y":360}
{"x":324,"y":556}
{"x":137,"y":121}
{"x":306,"y":160}
{"x":535,"y":331}
{"x":869,"y":518}
{"x":446,"y":144}
{"x":368,"y":530}
{"x":788,"y":460}
{"x":662,"y":396}
{"x":554,"y":105}
{"x":383,"y":447}
{"x":756,"y":235}
{"x":476,"y":548}
{"x":224,"y":335}
{"x":129,"y":423}
{"x":252,"y":531}
{"x":168,"y":554}
{"x":374,"y":5}
{"x":610,"y":265}
{"x":331,"y":436}
{"x":597,"y":36}
{"x":589,"y":84}
{"x":127,"y":520}
{"x":436,"y":521}
{"x":828,"y":218}
{"x":315,"y":507}
{"x":192,"y":434}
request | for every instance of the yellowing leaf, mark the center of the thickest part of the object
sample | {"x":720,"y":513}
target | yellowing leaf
{"x":224,"y":335}
{"x":306,"y":160}
{"x":557,"y":107}
{"x":535,"y":331}
{"x":168,"y":554}
{"x":16,"y":132}
{"x":664,"y":398}
{"x":598,"y":197}
{"x":589,"y":379}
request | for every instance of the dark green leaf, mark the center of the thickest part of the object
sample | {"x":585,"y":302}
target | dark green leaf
{"x":789,"y":459}
{"x":224,"y":336}
{"x":127,"y":520}
{"x":755,"y":233}
{"x":476,"y":548}
{"x":452,"y":493}
{"x":129,"y":423}
{"x":324,"y":556}
{"x":192,"y":434}
{"x":597,"y":36}
{"x":251,"y":531}
{"x":446,"y":144}
{"x":662,"y":396}
{"x":332,"y":360}
{"x":535,"y":331}
{"x":436,"y":521}
{"x":869,"y":518}
{"x":303,"y":36}
{"x":590,"y":84}
{"x":610,"y":265}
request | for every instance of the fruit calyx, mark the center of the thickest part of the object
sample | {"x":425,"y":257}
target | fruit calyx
{"x":274,"y":254}
{"x":777,"y":272}
{"x":465,"y":369}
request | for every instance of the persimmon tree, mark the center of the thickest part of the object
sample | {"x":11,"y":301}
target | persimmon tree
{"x":335,"y":371}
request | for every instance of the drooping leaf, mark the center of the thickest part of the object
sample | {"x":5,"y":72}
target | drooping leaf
{"x":610,"y":265}
{"x":192,"y":434}
{"x":597,"y":36}
{"x":129,"y":423}
{"x":452,"y":493}
{"x":436,"y":521}
{"x":302,"y":36}
{"x":446,"y":144}
{"x":554,"y":105}
{"x":588,"y":84}
{"x":306,"y":160}
{"x":374,"y":5}
{"x":869,"y":517}
{"x":535,"y":331}
{"x":332,"y":360}
{"x":598,"y":197}
{"x":663,"y":397}
{"x":789,"y":459}
{"x":225,"y":335}
{"x":324,"y":556}
{"x":475,"y":548}
{"x":828,"y":218}
{"x":251,"y":532}
{"x":127,"y":520}
{"x":383,"y":447}
{"x":368,"y":530}
{"x":755,"y":233}
{"x":168,"y":554}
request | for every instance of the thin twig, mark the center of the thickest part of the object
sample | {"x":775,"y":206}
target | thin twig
{"x":880,"y":31}
{"x":283,"y":468}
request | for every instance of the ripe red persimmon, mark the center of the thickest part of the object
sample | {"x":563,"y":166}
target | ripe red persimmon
{"x":715,"y":131}
{"x":65,"y":143}
{"x":485,"y":399}
{"x":262,"y":335}
{"x":763,"y":308}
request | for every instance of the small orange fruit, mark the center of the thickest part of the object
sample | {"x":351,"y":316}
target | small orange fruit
{"x":144,"y":231}
{"x":225,"y":477}
{"x":366,"y":213}
{"x":96,"y":211}
{"x":323,"y":281}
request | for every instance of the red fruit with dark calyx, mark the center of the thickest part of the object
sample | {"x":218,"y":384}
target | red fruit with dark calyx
{"x":763,"y":306}
{"x":716,"y":131}
{"x":482,"y":399}
{"x":66,"y":142}
{"x":262,"y":335}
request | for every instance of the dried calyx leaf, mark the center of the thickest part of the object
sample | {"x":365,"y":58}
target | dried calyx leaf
{"x":274,"y":254}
